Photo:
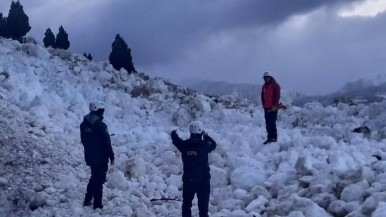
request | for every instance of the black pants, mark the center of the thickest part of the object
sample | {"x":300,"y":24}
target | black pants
{"x":270,"y":124}
{"x":95,"y":185}
{"x":192,"y":187}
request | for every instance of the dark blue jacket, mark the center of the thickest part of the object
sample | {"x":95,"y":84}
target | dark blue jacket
{"x":96,"y":140}
{"x":194,"y":153}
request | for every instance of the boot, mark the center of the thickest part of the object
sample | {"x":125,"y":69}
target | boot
{"x":87,"y":200}
{"x":267,"y":141}
{"x":98,"y":206}
{"x":98,"y":203}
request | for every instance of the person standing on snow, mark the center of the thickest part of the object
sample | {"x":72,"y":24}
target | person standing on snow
{"x":196,"y":172}
{"x":97,"y":152}
{"x":270,"y":97}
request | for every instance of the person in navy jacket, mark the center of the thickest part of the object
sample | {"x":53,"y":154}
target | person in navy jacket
{"x":196,"y":172}
{"x":97,"y":152}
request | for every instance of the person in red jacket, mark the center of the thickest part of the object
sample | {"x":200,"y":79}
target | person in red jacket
{"x":270,"y":97}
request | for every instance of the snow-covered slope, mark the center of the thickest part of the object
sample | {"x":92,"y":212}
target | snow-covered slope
{"x":317,"y":168}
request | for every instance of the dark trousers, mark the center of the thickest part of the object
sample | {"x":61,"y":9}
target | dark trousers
{"x":270,"y":124}
{"x":192,"y":187}
{"x":95,"y":185}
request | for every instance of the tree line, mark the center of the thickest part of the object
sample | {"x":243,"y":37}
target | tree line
{"x":16,"y":25}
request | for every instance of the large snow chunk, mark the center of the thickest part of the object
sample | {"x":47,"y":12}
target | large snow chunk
{"x":126,"y":210}
{"x":39,"y":200}
{"x":354,"y":192}
{"x":183,"y":116}
{"x":219,"y":177}
{"x":117,"y":180}
{"x":219,"y":194}
{"x":231,"y":204}
{"x":247,"y":177}
{"x":202,"y":104}
{"x":343,"y":163}
{"x":380,"y":211}
{"x":35,"y":51}
{"x":142,"y":212}
{"x":372,"y":202}
{"x":337,"y":208}
{"x":257,"y":205}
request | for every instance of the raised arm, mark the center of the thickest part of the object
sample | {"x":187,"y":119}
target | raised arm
{"x":177,"y":141}
{"x":210,"y":141}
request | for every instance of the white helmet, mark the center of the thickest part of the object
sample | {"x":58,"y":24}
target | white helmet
{"x":95,"y":106}
{"x":267,"y":74}
{"x":195,"y":127}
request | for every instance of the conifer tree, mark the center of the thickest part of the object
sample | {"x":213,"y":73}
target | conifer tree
{"x":62,"y":41}
{"x":120,"y":56}
{"x":49,"y":38}
{"x":3,"y":26}
{"x":88,"y":56}
{"x":17,"y":21}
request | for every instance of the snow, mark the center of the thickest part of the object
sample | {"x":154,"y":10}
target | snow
{"x":318,"y":167}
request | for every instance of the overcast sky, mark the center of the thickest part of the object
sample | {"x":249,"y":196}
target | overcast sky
{"x":310,"y":46}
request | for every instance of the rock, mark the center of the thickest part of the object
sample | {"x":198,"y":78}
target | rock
{"x":362,"y":129}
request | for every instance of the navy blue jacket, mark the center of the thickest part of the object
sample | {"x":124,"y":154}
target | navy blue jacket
{"x":96,"y":140}
{"x":194,"y":153}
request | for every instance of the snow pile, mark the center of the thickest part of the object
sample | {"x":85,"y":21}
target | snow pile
{"x":319,"y":167}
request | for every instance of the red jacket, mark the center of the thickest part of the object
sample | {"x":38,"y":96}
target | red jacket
{"x":270,"y":94}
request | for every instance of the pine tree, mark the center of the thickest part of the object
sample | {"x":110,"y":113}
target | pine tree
{"x":3,"y":26}
{"x":17,"y":21}
{"x":49,"y":38}
{"x":120,"y":56}
{"x":62,"y":41}
{"x":88,"y":56}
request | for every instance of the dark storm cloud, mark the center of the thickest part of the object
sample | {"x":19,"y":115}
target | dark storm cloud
{"x":160,"y":31}
{"x":228,"y":40}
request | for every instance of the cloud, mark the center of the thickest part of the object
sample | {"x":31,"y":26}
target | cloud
{"x":305,"y":43}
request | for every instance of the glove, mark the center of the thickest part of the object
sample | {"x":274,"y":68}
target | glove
{"x":205,"y":136}
{"x":274,"y":108}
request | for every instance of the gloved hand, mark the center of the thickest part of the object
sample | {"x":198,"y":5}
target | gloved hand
{"x":205,"y":135}
{"x":274,"y":108}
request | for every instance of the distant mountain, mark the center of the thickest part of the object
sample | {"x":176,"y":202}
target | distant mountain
{"x":248,"y":91}
{"x":218,"y":88}
{"x":360,"y":91}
